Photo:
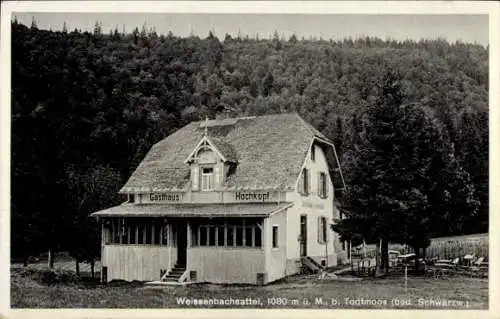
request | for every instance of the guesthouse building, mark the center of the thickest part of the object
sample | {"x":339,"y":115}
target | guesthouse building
{"x":237,"y":200}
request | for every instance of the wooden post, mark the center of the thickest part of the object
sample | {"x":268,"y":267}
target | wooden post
{"x":208,"y":236}
{"x":225,"y":233}
{"x":112,"y":241}
{"x":128,"y":232}
{"x":161,"y":233}
{"x":136,"y":233}
{"x":120,"y":230}
{"x":350,"y":250}
{"x":244,"y":232}
{"x":152,"y":231}
{"x":103,"y":239}
{"x":253,"y":236}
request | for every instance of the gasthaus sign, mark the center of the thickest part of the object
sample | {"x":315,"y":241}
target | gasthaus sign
{"x":165,"y":197}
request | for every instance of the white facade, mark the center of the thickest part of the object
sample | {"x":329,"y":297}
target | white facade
{"x":282,"y":241}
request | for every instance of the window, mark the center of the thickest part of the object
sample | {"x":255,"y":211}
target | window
{"x":220,"y":236}
{"x":249,"y":236}
{"x":275,"y":236}
{"x":239,"y":236}
{"x":230,"y":236}
{"x":131,"y":198}
{"x":195,"y":231}
{"x":322,"y":185}
{"x":228,"y":233}
{"x":322,"y":230}
{"x":207,"y":179}
{"x":211,"y":236}
{"x":203,"y":236}
{"x":136,"y":231}
{"x":313,"y":153}
{"x":258,"y":237}
{"x":304,"y":182}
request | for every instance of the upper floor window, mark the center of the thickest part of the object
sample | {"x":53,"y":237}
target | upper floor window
{"x":207,"y":178}
{"x":322,"y":185}
{"x":313,"y":153}
{"x":304,"y":182}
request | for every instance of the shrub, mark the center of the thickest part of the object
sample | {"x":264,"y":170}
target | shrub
{"x":48,"y":276}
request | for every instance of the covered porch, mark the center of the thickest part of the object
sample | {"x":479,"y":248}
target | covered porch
{"x":221,"y":243}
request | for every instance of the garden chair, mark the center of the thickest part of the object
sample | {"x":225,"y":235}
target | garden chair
{"x":468,"y":259}
{"x":477,"y":264}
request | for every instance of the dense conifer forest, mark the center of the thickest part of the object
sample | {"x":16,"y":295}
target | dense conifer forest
{"x":87,"y":106}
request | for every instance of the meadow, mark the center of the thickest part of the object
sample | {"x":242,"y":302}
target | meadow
{"x":301,"y":291}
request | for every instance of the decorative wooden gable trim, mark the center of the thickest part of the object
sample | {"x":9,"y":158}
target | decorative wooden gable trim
{"x":336,"y":169}
{"x":204,"y":143}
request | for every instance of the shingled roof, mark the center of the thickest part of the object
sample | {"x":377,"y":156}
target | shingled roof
{"x":268,"y":150}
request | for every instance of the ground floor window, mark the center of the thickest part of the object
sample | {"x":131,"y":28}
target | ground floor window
{"x":275,"y":237}
{"x":137,"y":231}
{"x":219,"y":232}
{"x":322,"y":230}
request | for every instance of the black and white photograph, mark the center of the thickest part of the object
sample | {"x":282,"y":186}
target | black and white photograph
{"x":311,"y":158}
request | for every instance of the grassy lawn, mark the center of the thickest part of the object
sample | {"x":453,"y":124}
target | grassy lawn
{"x":368,"y":293}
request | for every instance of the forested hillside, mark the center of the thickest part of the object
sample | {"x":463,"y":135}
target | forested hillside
{"x":86,"y":107}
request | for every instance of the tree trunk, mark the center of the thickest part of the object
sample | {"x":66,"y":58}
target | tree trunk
{"x":417,"y":261}
{"x":77,"y":264}
{"x":384,"y":252}
{"x":51,"y":260}
{"x":92,"y":264}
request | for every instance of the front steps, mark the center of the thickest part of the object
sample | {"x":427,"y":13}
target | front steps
{"x":175,"y":274}
{"x":310,"y":265}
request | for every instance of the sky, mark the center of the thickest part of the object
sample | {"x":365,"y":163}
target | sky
{"x":452,"y":27}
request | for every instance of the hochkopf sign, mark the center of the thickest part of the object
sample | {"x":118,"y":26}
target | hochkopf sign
{"x":252,"y":196}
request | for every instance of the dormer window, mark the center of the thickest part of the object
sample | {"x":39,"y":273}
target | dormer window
{"x":207,"y":179}
{"x":209,"y":162}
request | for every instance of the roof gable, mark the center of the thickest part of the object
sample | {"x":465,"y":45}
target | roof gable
{"x":222,"y":149}
{"x":269,"y":150}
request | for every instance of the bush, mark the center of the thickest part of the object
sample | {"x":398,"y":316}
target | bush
{"x":48,"y":276}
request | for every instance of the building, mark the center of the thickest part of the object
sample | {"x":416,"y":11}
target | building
{"x":240,"y":200}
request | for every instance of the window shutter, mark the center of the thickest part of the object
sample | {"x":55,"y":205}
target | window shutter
{"x":195,"y":178}
{"x":320,"y":195}
{"x":217,"y":176}
{"x":308,"y":191}
{"x":319,"y":230}
{"x":300,"y":185}
{"x":327,"y":180}
{"x":327,"y":231}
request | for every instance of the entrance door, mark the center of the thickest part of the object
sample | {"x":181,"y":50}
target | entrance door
{"x":303,"y":235}
{"x":181,"y":243}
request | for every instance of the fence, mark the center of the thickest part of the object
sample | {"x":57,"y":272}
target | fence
{"x":453,"y":247}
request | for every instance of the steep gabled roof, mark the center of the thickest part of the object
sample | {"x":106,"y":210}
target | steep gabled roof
{"x":270,"y":151}
{"x":224,"y":148}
